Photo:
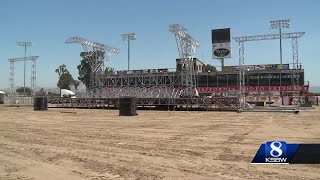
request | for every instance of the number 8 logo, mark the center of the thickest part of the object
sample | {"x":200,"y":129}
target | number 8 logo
{"x":276,"y":148}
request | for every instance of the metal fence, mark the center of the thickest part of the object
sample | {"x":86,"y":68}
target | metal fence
{"x":18,"y":100}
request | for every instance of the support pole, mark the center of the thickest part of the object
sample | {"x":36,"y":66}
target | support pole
{"x":280,"y":46}
{"x":128,"y":55}
{"x":24,"y":70}
{"x":222,"y":63}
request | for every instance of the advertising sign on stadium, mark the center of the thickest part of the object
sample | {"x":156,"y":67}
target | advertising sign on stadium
{"x":152,"y":70}
{"x":271,"y":66}
{"x":283,"y":66}
{"x":121,"y":72}
{"x":249,"y":67}
{"x":260,"y":67}
{"x":250,"y":88}
{"x":137,"y":71}
{"x":162,"y":70}
{"x":268,"y":66}
{"x":227,"y":68}
{"x":221,"y":43}
{"x":235,"y":68}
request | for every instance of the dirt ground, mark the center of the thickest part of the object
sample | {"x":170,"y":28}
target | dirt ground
{"x":76,"y":144}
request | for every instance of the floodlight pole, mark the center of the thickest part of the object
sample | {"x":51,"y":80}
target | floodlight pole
{"x":24,"y":70}
{"x":128,"y":37}
{"x":280,"y":24}
{"x":128,"y":54}
{"x":280,"y":46}
{"x":25,"y":44}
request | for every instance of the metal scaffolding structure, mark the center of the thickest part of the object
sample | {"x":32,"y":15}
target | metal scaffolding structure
{"x":186,"y":47}
{"x":294,"y":36}
{"x":33,"y":71}
{"x":269,"y":37}
{"x":153,"y":85}
{"x":96,"y":57}
{"x":153,"y":102}
{"x":295,"y":61}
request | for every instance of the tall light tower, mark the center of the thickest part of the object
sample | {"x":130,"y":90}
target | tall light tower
{"x":128,"y":37}
{"x":279,"y":24}
{"x":25,"y":44}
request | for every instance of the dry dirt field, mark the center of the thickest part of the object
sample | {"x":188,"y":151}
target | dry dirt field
{"x":99,"y":144}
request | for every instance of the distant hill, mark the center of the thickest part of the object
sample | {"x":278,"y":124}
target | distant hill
{"x":315,"y":89}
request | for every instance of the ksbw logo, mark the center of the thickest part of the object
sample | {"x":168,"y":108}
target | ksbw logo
{"x":276,"y":152}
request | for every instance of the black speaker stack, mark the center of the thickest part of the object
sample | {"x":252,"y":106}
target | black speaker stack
{"x":40,"y":103}
{"x":127,"y":106}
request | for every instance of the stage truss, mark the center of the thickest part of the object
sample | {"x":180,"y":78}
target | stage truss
{"x":150,"y":85}
{"x":33,"y":71}
{"x":97,"y":57}
{"x":294,"y":36}
{"x":186,"y":47}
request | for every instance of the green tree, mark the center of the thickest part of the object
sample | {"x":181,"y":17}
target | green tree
{"x":210,"y":68}
{"x":84,"y":67}
{"x":109,"y":71}
{"x":65,"y":81}
{"x":21,"y":90}
{"x":76,"y":83}
{"x":62,"y":70}
{"x":65,"y":78}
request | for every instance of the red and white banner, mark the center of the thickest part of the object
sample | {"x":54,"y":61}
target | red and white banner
{"x":250,"y":88}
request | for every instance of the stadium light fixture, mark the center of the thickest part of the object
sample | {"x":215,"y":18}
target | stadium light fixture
{"x":279,"y":24}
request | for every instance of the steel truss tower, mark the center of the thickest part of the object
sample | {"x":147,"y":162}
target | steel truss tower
{"x":97,"y":57}
{"x":186,"y":47}
{"x":33,"y":71}
{"x":294,"y":36}
{"x":151,"y":85}
{"x":295,"y":61}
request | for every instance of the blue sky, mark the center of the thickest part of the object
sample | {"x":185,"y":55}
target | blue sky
{"x":50,"y":23}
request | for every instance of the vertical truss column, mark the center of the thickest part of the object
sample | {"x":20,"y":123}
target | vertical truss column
{"x":11,"y":76}
{"x":186,"y":47}
{"x":242,"y":81}
{"x":295,"y":67}
{"x":295,"y":61}
{"x":33,"y":76}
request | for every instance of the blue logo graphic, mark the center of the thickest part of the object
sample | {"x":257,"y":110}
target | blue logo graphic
{"x":276,"y":152}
